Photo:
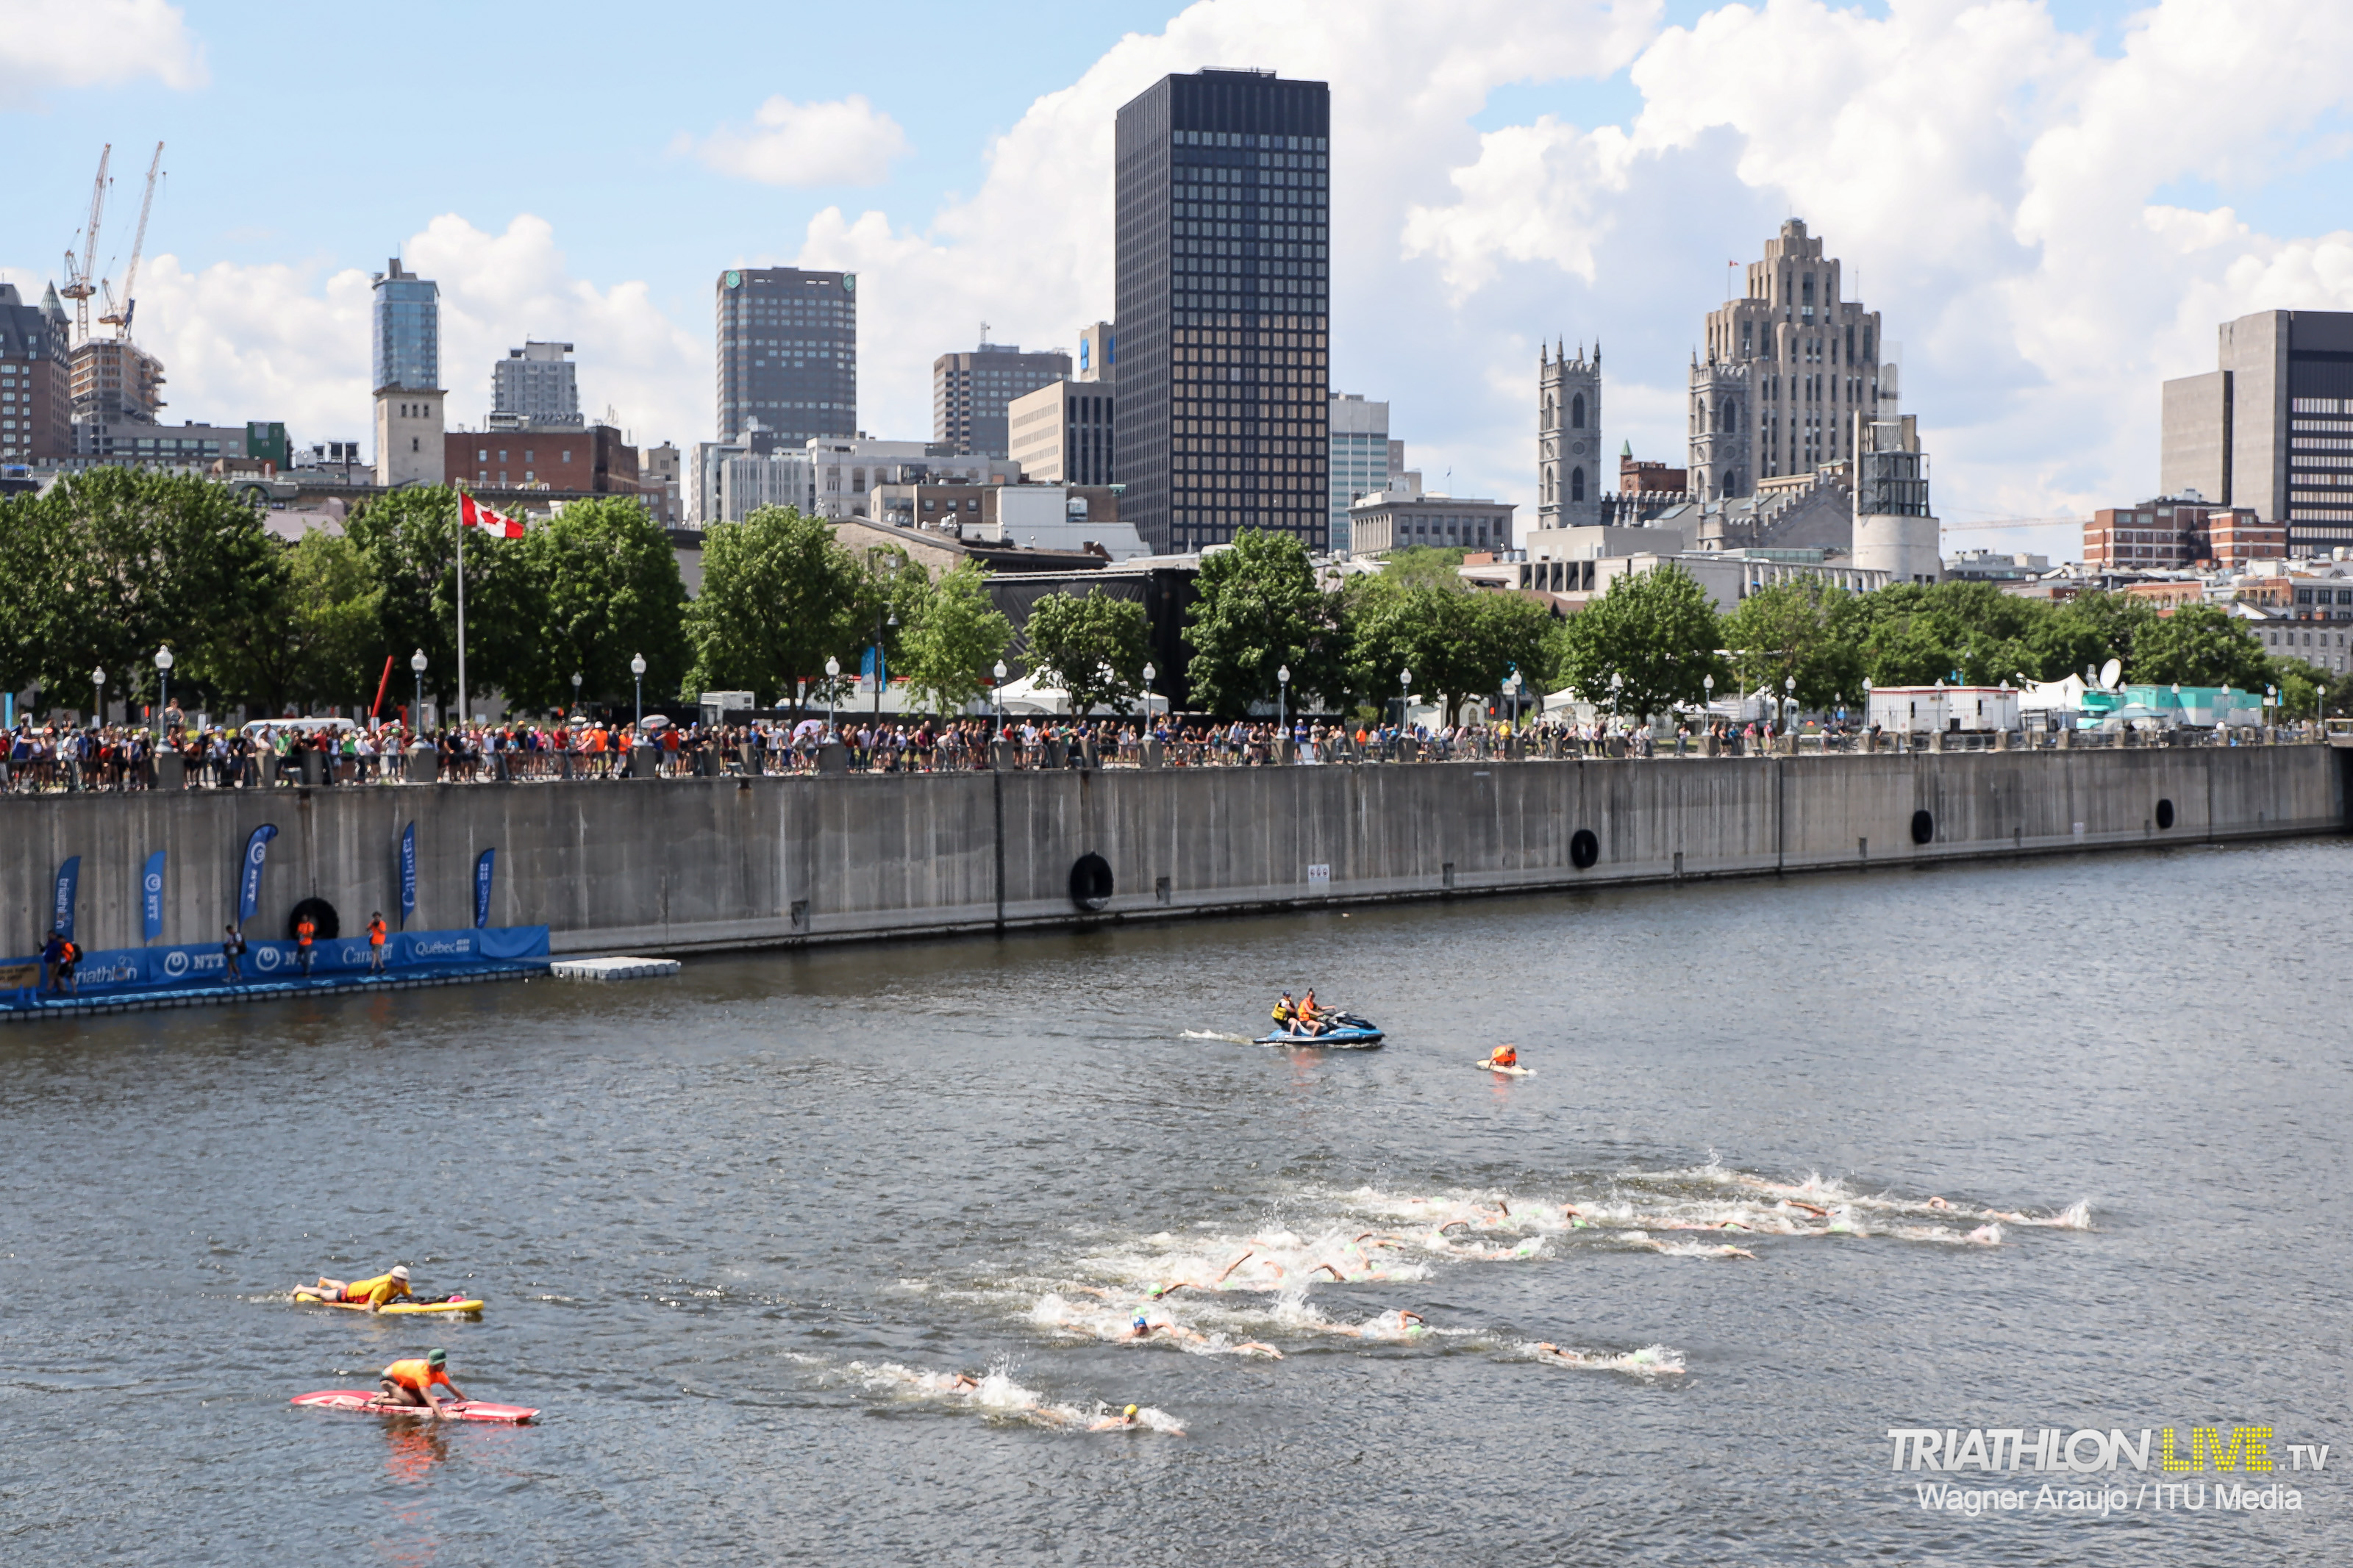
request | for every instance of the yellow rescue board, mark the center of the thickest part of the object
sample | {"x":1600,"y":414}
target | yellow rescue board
{"x":313,"y":1298}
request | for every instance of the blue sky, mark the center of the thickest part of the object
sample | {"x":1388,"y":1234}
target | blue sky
{"x":2052,"y":203}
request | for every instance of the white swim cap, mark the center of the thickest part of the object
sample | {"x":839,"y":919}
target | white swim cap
{"x":400,"y":1271}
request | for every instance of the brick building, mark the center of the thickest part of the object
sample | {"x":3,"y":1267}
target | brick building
{"x":2174,"y":531}
{"x":577,"y":459}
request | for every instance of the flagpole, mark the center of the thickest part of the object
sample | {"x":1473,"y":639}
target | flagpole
{"x":462,"y":614}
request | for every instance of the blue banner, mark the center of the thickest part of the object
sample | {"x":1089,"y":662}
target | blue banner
{"x":482,"y":890}
{"x":869,"y":668}
{"x":407,"y":872}
{"x":61,"y":910}
{"x":144,"y":968}
{"x":249,"y":885}
{"x":151,"y":897}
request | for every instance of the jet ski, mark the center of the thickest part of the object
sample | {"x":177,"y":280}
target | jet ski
{"x":1344,"y":1031}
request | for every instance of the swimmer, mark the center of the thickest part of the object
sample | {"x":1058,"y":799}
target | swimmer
{"x":1397,"y":1324}
{"x":1229,"y":1268}
{"x":1937,"y":1203}
{"x":1126,"y":1417}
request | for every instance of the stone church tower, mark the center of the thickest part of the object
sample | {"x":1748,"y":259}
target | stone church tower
{"x":1570,"y":473}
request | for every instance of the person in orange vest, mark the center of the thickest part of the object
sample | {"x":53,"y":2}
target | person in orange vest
{"x":411,"y":1381}
{"x":305,"y":930}
{"x":376,"y":942}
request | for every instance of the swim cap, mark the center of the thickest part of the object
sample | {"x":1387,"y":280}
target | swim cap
{"x":1131,"y":1412}
{"x":1141,"y":1322}
{"x":436,"y":1358}
{"x":400,"y":1271}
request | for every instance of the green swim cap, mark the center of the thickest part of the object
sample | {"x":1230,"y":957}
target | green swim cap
{"x":436,"y":1358}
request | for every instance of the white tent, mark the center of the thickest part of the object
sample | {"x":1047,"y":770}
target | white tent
{"x":1035,"y":695}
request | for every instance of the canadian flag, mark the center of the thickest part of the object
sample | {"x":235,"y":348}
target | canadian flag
{"x":473,"y":514}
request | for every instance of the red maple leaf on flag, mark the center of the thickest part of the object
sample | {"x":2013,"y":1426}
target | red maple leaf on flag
{"x":474,"y":514}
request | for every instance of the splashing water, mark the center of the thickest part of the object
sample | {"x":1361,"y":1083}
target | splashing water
{"x":995,"y":1394}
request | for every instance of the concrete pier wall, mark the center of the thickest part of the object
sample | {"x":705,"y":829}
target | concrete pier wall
{"x":671,"y":866}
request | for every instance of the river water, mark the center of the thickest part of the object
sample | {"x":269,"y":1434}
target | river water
{"x":738,"y":1231}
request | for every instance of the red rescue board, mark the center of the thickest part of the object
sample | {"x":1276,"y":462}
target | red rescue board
{"x":371,"y":1402}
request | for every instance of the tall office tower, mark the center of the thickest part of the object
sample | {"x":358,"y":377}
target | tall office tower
{"x":535,"y":384}
{"x":36,"y":391}
{"x":1569,"y":461}
{"x":1788,"y":368}
{"x":2265,"y":429}
{"x":970,"y":392}
{"x":406,"y":330}
{"x":1360,"y":457}
{"x":787,"y":353}
{"x":1224,"y":189}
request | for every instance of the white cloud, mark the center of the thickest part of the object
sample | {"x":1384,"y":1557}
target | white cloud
{"x":85,"y":43}
{"x":1031,"y":251}
{"x":243,"y":342}
{"x":1995,"y":179}
{"x":845,"y":142}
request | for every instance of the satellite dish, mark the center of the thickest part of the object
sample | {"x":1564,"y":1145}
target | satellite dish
{"x":2109,"y":672}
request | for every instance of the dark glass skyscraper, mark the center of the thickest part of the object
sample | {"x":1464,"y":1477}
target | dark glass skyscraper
{"x":1224,"y":191}
{"x":407,"y":330}
{"x":787,"y":353}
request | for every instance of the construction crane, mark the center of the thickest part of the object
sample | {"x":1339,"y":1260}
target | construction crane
{"x":119,"y":320}
{"x":79,"y":287}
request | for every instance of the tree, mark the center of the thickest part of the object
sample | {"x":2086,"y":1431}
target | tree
{"x":1092,"y":648}
{"x":955,"y":640}
{"x":607,"y":589}
{"x":2303,"y":685}
{"x":2198,"y":645}
{"x":1260,"y":610}
{"x":123,"y":561}
{"x":1656,"y":632}
{"x":1801,"y":631}
{"x":410,"y":541}
{"x":318,"y":638}
{"x":779,"y":596}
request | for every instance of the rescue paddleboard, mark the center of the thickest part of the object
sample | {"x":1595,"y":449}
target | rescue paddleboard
{"x":368,"y":1402}
{"x":313,"y":1298}
{"x":1505,"y":1072}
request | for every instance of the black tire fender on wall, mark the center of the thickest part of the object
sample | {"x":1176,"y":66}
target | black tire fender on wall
{"x":1584,"y":849}
{"x":1924,"y":827}
{"x":1091,"y":881}
{"x":2165,"y":813}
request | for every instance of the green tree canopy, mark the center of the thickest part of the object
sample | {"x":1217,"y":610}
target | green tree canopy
{"x":1656,"y":632}
{"x":1802,"y":631}
{"x":779,"y":596}
{"x":410,"y":541}
{"x":1260,"y":610}
{"x":955,"y":636}
{"x":1092,"y":648}
{"x":2198,"y":645}
{"x":116,"y":563}
{"x":608,"y":589}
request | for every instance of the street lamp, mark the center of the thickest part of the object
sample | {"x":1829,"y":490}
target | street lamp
{"x":576,"y":691}
{"x":1149,"y":673}
{"x":832,"y":674}
{"x":637,"y":668}
{"x":1616,"y":684}
{"x":1519,"y":685}
{"x":97,"y":680}
{"x":1789,"y":714}
{"x":1405,"y":700}
{"x":164,"y":683}
{"x":997,"y":697}
{"x":417,"y":716}
{"x":1283,"y":704}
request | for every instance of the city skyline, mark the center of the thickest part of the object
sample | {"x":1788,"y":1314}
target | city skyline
{"x":2044,"y":266}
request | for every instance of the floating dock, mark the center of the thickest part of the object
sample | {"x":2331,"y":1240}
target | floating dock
{"x":23,"y":1006}
{"x":612,"y":968}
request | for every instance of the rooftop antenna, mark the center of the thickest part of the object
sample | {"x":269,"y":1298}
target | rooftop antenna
{"x":984,"y":334}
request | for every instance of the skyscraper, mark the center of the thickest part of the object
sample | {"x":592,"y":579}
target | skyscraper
{"x":407,"y":333}
{"x":1788,"y":368}
{"x":535,"y":384}
{"x":2265,"y":429}
{"x":787,"y":353}
{"x":1360,"y":457}
{"x":970,"y":392}
{"x":35,"y":397}
{"x":1223,"y":198}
